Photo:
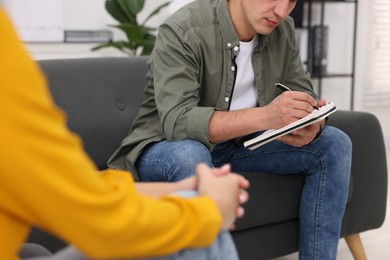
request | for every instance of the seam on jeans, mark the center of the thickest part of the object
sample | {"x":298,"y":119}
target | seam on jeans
{"x":321,"y":187}
{"x":317,"y":247}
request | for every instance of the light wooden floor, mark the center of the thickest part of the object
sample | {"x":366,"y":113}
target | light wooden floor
{"x":376,"y":242}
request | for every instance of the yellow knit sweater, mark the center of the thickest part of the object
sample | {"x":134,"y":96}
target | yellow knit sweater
{"x":46,"y":180}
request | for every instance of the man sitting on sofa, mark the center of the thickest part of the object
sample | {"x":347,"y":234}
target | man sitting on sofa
{"x":46,"y":180}
{"x":211,"y":85}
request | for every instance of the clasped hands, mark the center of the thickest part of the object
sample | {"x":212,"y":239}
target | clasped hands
{"x":226,"y":189}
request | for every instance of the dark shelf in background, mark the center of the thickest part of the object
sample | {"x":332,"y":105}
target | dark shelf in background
{"x":316,"y":42}
{"x":333,"y":75}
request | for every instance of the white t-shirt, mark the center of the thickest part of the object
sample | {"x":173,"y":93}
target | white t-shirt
{"x":245,"y":92}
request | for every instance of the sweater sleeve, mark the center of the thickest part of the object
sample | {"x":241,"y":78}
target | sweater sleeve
{"x":48,"y":181}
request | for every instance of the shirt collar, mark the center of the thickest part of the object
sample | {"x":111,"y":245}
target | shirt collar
{"x":228,"y":33}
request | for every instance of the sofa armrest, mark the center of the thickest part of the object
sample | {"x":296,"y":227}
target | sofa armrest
{"x":366,"y":207}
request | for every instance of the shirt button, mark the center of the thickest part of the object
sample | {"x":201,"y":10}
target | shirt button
{"x":235,"y":48}
{"x":229,"y":45}
{"x":226,"y":99}
{"x":232,"y":68}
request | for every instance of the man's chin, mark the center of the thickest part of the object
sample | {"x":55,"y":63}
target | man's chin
{"x":264,"y":32}
{"x":265,"y":29}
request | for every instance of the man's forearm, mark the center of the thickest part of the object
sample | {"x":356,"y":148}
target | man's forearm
{"x":226,"y":125}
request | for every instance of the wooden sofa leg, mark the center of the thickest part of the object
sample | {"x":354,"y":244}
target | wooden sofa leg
{"x":356,"y":246}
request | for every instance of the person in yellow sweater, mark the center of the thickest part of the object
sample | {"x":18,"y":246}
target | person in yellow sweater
{"x":47,"y":180}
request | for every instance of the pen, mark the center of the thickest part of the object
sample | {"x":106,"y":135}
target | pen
{"x":285,"y":88}
{"x":282,"y":87}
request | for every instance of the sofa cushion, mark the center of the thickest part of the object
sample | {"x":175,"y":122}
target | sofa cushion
{"x":101,"y":99}
{"x":273,"y":199}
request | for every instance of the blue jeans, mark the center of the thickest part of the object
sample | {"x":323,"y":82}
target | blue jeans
{"x":222,"y":249}
{"x":326,"y":164}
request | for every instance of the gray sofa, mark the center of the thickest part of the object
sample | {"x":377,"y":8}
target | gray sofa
{"x":101,"y":98}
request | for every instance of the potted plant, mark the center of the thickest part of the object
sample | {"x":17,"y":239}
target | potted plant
{"x":140,"y":38}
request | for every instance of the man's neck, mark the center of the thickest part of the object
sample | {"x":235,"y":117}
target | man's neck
{"x":241,"y":26}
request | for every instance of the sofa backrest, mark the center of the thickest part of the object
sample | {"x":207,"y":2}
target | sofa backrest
{"x":100,"y":96}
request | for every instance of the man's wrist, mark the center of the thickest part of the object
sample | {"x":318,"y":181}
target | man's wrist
{"x":318,"y":135}
{"x":320,"y":131}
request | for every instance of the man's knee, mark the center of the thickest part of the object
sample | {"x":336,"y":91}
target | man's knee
{"x":337,"y":140}
{"x":186,"y":156}
{"x":339,"y":152}
{"x":192,"y":152}
{"x":172,"y":161}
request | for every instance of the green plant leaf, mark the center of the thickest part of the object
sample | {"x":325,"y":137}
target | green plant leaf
{"x":130,"y":29}
{"x":138,"y":36}
{"x":116,"y":11}
{"x":131,"y":14}
{"x":122,"y":46}
{"x":101,"y":46}
{"x":134,"y":33}
{"x":156,"y":11}
{"x":134,"y":6}
{"x":148,"y":45}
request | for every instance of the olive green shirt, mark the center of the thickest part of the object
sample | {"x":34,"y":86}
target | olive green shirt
{"x":191,"y":73}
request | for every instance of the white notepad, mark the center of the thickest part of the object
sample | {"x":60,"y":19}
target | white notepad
{"x":268,"y":136}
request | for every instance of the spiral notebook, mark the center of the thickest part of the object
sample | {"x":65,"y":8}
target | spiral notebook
{"x":268,"y":136}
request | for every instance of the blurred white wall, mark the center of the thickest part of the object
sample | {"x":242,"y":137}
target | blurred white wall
{"x":91,"y":14}
{"x":176,"y":4}
{"x":37,"y":20}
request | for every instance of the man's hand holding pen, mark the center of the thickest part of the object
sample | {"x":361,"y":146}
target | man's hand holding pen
{"x":290,"y":106}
